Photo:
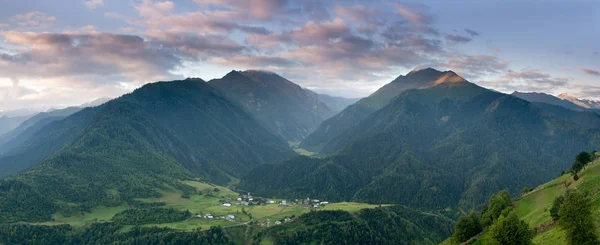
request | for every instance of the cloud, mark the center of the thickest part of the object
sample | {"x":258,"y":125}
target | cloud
{"x":195,"y":46}
{"x":160,"y":16}
{"x":528,"y":80}
{"x":255,"y":9}
{"x":589,"y":71}
{"x":415,"y":13}
{"x":92,"y":4}
{"x":455,"y":38}
{"x":34,"y":19}
{"x":355,"y":12}
{"x":315,"y":32}
{"x":476,"y":66}
{"x":472,"y":33}
{"x":94,"y":54}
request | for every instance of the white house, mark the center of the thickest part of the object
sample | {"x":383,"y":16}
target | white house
{"x":230,"y":217}
{"x":226,"y":204}
{"x":323,"y":203}
{"x":283,"y":202}
{"x":271,"y":202}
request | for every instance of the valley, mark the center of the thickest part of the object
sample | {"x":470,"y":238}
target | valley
{"x":206,"y":201}
{"x":230,"y":160}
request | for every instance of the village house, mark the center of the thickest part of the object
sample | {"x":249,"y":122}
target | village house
{"x":230,"y":217}
{"x":226,"y":204}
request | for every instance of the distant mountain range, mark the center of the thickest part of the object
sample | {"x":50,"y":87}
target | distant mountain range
{"x":564,"y":100}
{"x":448,"y":143}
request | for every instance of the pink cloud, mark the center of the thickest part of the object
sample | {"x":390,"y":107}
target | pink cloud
{"x":313,"y":31}
{"x":589,"y":71}
{"x":256,"y":9}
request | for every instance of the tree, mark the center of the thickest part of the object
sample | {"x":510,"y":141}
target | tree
{"x":499,"y":204}
{"x":556,"y":207}
{"x":576,"y":219}
{"x":510,"y":230}
{"x":584,"y":158}
{"x":467,"y":226}
{"x":577,"y":166}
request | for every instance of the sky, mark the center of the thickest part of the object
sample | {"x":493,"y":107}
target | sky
{"x":60,"y":53}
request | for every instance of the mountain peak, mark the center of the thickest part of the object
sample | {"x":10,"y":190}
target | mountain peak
{"x":449,"y":77}
{"x":588,"y":104}
{"x":427,"y":70}
{"x":566,"y":96}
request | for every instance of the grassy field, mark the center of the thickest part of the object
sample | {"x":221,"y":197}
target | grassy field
{"x":208,"y":200}
{"x":99,"y":214}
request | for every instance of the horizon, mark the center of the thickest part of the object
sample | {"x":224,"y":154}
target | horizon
{"x":54,"y":57}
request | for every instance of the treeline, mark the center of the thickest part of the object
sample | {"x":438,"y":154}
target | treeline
{"x":151,"y":215}
{"x":107,"y":233}
{"x":386,"y":225}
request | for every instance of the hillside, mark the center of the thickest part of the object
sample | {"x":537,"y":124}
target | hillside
{"x":451,"y":145}
{"x":282,"y":106}
{"x":355,"y":113}
{"x":534,"y":207}
{"x":135,"y":145}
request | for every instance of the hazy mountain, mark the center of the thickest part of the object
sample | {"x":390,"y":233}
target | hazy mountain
{"x":135,"y":145}
{"x":29,"y":128}
{"x":450,"y":145}
{"x":353,"y":114}
{"x":282,"y":106}
{"x":96,"y":102}
{"x":335,"y":103}
{"x":588,"y":104}
{"x":548,"y":99}
{"x":9,"y":123}
{"x":20,"y":112}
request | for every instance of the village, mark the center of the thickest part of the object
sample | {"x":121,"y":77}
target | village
{"x":252,"y":201}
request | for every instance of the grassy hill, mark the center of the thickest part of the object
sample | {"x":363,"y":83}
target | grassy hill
{"x":534,"y":207}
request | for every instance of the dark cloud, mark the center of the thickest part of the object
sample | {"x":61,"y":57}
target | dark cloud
{"x":455,"y":38}
{"x":472,"y":33}
{"x":589,"y":71}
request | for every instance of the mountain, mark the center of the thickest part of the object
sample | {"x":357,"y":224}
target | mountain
{"x":135,"y":146}
{"x":588,"y":104}
{"x":282,"y":106}
{"x":450,"y":145}
{"x":335,"y":103}
{"x":355,"y":113}
{"x":29,"y":128}
{"x":548,"y":99}
{"x":96,"y":102}
{"x":9,"y":123}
